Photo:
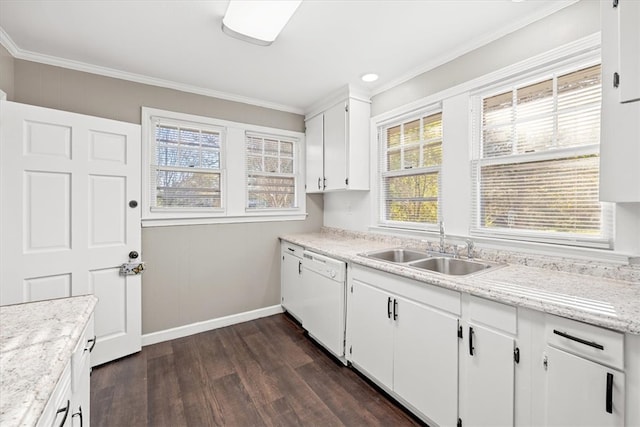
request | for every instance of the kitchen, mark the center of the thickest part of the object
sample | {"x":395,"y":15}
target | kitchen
{"x":185,"y":285}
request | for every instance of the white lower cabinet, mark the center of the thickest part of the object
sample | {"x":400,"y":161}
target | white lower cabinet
{"x":291,"y":283}
{"x":403,"y":335}
{"x":454,"y":358}
{"x":69,"y":404}
{"x":580,"y":392}
{"x":584,"y":372}
{"x":487,"y":363}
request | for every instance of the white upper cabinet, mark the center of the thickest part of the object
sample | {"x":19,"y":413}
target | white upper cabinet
{"x":338,"y":147}
{"x":620,"y":127}
{"x":629,"y":47}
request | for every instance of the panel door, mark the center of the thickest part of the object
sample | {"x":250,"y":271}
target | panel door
{"x":487,"y":388}
{"x":314,"y":147}
{"x":335,"y":147}
{"x":577,"y":392}
{"x":425,"y":371}
{"x":370,"y":326}
{"x":66,"y":223}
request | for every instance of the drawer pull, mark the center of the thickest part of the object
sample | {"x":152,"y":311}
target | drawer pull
{"x":580,"y":340}
{"x":79,"y":414}
{"x":389,"y":307}
{"x":471,"y":347}
{"x":395,"y":309}
{"x":66,"y":412}
{"x":291,"y":249}
{"x":93,"y":344}
{"x":609,"y":402}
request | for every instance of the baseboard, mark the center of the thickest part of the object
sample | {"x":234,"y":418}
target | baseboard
{"x":208,"y":325}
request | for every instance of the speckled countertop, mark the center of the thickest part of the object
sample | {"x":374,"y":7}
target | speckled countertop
{"x":36,"y":343}
{"x":603,"y":301}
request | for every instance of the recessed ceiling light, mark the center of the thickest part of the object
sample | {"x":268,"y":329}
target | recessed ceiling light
{"x":369,"y":77}
{"x":258,"y":22}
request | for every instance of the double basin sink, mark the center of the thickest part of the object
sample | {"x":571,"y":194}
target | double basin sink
{"x":438,"y":263}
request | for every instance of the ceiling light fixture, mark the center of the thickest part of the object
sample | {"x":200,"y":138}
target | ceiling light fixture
{"x":369,"y":77}
{"x":258,"y":21}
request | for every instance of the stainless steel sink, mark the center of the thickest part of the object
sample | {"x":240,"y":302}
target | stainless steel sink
{"x":450,"y":266}
{"x":398,"y":255}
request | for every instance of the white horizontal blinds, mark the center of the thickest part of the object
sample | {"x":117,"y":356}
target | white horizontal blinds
{"x":537,"y":165}
{"x":411,"y":156}
{"x":270,"y":166}
{"x":186,"y":173}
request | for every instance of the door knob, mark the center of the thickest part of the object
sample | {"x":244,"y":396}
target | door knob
{"x":133,"y":254}
{"x":133,"y":203}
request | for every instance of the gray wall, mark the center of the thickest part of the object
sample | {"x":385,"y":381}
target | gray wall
{"x":6,"y":72}
{"x":571,"y":23}
{"x":195,"y":273}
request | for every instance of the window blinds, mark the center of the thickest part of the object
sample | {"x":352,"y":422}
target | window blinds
{"x":270,"y":169}
{"x":537,"y":163}
{"x":186,"y":173}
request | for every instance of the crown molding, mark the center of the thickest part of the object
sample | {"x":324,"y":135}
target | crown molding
{"x":475,"y":44}
{"x":26,"y":55}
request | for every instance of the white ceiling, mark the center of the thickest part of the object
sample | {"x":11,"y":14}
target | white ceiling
{"x":326,"y":45}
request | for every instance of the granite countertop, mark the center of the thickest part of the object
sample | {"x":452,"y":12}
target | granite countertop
{"x":606,"y":302}
{"x":36,"y":343}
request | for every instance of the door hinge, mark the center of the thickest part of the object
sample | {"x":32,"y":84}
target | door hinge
{"x":459,"y":422}
{"x":351,"y":288}
{"x":615,"y":3}
{"x":459,"y":331}
{"x":346,"y":108}
{"x":516,"y":355}
{"x":350,"y":349}
{"x":616,"y":79}
{"x":346,"y":181}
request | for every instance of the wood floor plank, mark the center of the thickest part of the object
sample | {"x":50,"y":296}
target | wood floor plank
{"x":165,"y":406}
{"x":266,"y":372}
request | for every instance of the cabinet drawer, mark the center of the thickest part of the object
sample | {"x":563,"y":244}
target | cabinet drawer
{"x":589,"y":341}
{"x":499,"y":316}
{"x":292,"y":249}
{"x":80,"y":358}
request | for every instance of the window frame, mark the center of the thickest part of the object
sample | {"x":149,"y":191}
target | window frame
{"x":517,"y":81}
{"x":221,"y":171}
{"x":233,"y":181}
{"x":384,"y":173}
{"x":293,"y":174}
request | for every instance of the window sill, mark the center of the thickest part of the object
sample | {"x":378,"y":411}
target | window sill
{"x":275,"y":217}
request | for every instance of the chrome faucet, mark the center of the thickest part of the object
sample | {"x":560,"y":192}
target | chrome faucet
{"x":469,"y":248}
{"x":441,"y":237}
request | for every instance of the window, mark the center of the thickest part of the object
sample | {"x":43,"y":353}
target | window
{"x":271,"y":180}
{"x":201,"y":170}
{"x":186,"y":173}
{"x":536,"y":164}
{"x":411,"y":157}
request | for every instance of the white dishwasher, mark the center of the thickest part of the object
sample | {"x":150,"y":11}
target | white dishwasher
{"x":325,"y":285}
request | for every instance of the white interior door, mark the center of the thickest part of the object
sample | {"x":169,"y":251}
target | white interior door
{"x":66,"y":183}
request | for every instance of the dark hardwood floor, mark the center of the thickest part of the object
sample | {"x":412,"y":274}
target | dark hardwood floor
{"x":263,"y":372}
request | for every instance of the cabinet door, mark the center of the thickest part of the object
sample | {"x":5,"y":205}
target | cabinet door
{"x":488,"y":386}
{"x":335,"y":147}
{"x":314,"y":154}
{"x":620,"y":127}
{"x":80,"y":400}
{"x":291,"y":285}
{"x":371,"y":330}
{"x":578,"y":392}
{"x":629,"y":41}
{"x":425,"y":368}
